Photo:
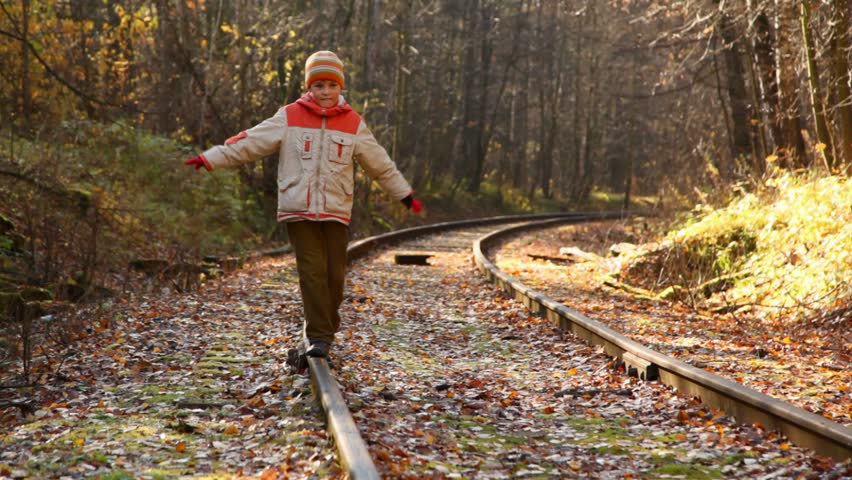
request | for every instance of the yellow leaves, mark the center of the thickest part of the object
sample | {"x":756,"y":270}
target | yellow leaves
{"x":772,"y":158}
{"x":820,"y":147}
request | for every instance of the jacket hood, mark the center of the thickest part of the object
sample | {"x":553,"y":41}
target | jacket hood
{"x":308,"y":102}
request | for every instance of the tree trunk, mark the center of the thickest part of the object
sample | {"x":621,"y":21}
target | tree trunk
{"x":549,"y":98}
{"x":372,"y":38}
{"x":485,"y":50}
{"x":244,"y":58}
{"x":762,"y":42}
{"x":521,"y":130}
{"x":475,"y":82}
{"x":167,"y":42}
{"x":840,"y":47}
{"x":576,"y":168}
{"x":737,"y":93}
{"x":26,"y":88}
{"x":791,"y":144}
{"x":820,"y":121}
{"x":584,"y":176}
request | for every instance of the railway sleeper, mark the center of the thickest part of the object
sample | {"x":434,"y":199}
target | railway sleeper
{"x":636,"y":366}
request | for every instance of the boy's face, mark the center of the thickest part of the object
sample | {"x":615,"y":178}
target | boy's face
{"x":325,"y":92}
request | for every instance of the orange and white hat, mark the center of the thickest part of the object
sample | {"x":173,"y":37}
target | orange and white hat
{"x":323,"y":65}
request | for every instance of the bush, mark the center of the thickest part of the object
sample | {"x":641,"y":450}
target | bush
{"x":786,"y":248}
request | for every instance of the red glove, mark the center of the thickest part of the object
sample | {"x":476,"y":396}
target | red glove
{"x":198,"y":162}
{"x":412,"y":203}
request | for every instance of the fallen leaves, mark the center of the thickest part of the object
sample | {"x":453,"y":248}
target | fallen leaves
{"x":484,"y":389}
{"x":781,"y":360}
{"x":179,"y":386}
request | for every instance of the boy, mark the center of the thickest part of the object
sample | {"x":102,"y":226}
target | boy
{"x":319,"y":138}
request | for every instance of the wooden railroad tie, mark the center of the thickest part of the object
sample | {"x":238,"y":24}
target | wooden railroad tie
{"x":412,"y":258}
{"x":639,"y":367}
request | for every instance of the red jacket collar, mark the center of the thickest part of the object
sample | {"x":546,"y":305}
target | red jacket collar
{"x":308,"y":102}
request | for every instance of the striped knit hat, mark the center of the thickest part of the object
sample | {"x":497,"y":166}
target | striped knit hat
{"x":323,"y":65}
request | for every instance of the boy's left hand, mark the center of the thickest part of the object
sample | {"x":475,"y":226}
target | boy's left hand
{"x":412,"y":203}
{"x":198,"y":162}
{"x":416,"y":206}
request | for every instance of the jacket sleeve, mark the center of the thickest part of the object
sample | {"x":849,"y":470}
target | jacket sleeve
{"x":257,"y":142}
{"x":377,"y":164}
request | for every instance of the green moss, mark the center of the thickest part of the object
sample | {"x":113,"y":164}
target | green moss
{"x":117,"y":475}
{"x":391,"y":325}
{"x":658,"y":459}
{"x":105,"y":418}
{"x":738,"y":457}
{"x":168,"y":473}
{"x":611,"y":450}
{"x":684,"y":470}
{"x":213,"y":358}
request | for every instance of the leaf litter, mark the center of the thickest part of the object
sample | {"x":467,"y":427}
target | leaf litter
{"x":179,"y":386}
{"x":449,"y":378}
{"x":806,"y":365}
{"x":445,"y":376}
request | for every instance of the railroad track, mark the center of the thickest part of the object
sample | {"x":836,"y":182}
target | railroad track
{"x":357,"y":455}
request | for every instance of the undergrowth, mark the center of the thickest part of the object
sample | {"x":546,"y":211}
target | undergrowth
{"x":87,"y":198}
{"x":783,"y":251}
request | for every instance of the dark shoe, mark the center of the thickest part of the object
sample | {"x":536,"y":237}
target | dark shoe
{"x":318,"y":348}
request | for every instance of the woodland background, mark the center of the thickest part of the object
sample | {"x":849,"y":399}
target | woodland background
{"x":488,"y":106}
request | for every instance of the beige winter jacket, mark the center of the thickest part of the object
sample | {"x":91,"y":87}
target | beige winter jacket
{"x":317,"y":150}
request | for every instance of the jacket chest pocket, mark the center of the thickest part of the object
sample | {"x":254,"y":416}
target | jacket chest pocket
{"x":340,"y":149}
{"x":307,"y":146}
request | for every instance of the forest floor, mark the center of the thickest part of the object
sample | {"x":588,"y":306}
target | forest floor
{"x":445,"y":376}
{"x":808,"y":364}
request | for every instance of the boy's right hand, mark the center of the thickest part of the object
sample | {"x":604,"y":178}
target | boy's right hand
{"x":198,"y":162}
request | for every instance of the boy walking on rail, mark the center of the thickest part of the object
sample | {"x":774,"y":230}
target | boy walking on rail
{"x":319,"y":138}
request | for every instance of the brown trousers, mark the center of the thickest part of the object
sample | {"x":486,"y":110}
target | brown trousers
{"x":320,"y":249}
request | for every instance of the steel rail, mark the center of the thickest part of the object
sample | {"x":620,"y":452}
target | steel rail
{"x":353,"y":453}
{"x":748,"y":406}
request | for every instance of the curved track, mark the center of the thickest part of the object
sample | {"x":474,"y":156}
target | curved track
{"x":353,"y":452}
{"x":746,"y":405}
{"x":803,"y":428}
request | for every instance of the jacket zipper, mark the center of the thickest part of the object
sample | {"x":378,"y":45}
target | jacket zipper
{"x":320,"y":162}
